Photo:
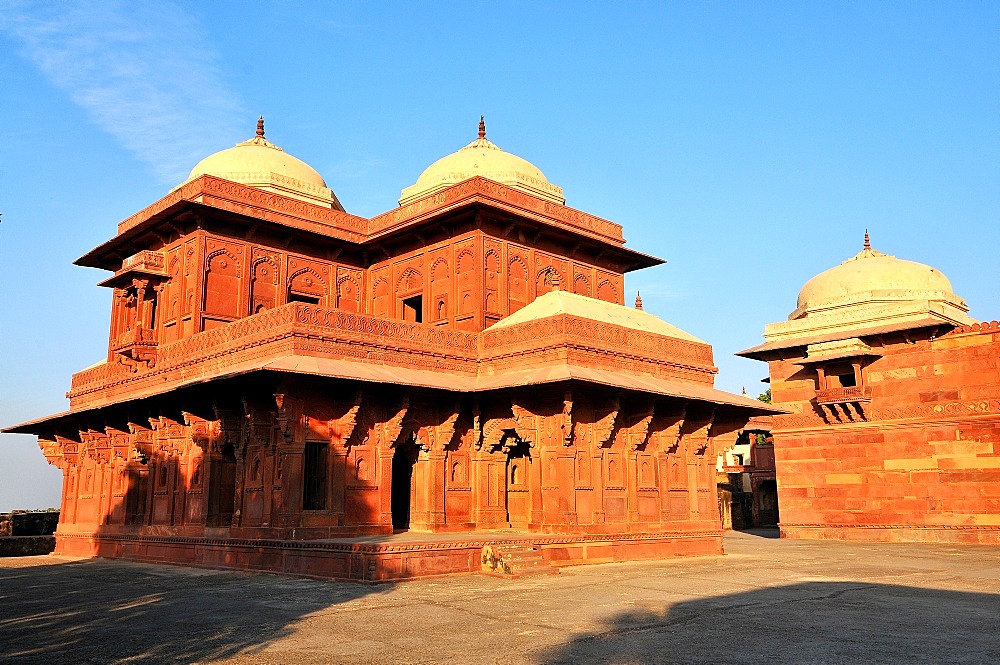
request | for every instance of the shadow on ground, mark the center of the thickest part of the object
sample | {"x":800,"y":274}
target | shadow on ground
{"x":814,"y":622}
{"x":104,"y":612}
{"x":762,"y":532}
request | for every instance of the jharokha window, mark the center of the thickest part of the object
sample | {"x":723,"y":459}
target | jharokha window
{"x":841,"y":382}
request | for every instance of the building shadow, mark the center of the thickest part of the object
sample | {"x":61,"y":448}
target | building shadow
{"x":762,"y":532}
{"x":813,"y":622}
{"x":111,"y":611}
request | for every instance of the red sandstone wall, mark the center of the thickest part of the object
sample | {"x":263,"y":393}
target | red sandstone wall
{"x":921,"y":461}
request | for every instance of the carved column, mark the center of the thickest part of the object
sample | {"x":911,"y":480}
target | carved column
{"x":437,"y":461}
{"x":670,"y":441}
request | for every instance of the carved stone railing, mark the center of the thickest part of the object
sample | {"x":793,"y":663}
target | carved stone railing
{"x":138,"y":345}
{"x":146,"y":261}
{"x":848,"y":395}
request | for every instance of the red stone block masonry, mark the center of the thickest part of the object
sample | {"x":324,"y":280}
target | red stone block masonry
{"x":285,"y":383}
{"x":895,"y":398}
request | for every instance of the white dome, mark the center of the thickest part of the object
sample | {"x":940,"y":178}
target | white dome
{"x":872,"y":276}
{"x":259,"y":163}
{"x":483,"y":158}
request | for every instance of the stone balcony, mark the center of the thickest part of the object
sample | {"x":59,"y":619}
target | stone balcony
{"x":848,"y":395}
{"x":137,"y":345}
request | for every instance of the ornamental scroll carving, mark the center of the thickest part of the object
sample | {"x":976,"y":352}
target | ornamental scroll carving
{"x":643,"y":416}
{"x":343,"y":428}
{"x":445,"y":432}
{"x":393,"y":427}
{"x":671,"y":435}
{"x":605,"y":426}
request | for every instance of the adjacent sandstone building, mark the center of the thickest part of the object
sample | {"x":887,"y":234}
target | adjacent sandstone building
{"x":895,"y":398}
{"x":284,"y":379}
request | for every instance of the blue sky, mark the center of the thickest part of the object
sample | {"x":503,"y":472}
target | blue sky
{"x":748,"y":144}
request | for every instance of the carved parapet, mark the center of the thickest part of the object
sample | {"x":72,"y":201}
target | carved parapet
{"x":847,"y":395}
{"x":146,"y":262}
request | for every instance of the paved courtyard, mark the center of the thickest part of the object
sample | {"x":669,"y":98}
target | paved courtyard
{"x":767,"y":601}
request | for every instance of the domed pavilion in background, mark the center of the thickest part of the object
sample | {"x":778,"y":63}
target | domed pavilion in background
{"x":287,"y":385}
{"x":894,"y":394}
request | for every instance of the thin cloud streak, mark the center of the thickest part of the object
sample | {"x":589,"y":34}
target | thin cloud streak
{"x":143,"y":72}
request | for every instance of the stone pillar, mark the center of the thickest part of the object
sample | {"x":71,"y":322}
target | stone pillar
{"x":566,"y":478}
{"x":435,"y":487}
{"x":240,"y":451}
{"x":338,"y":479}
{"x":385,"y":487}
{"x":292,"y":480}
{"x":535,"y":480}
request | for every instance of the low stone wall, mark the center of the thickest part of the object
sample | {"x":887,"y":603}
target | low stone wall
{"x":26,"y":545}
{"x":29,"y":523}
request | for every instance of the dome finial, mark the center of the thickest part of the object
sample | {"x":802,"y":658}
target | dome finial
{"x":260,"y":126}
{"x":868,"y":241}
{"x":482,"y":127}
{"x":638,"y":301}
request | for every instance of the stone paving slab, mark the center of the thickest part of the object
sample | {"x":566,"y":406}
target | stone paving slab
{"x":766,"y":601}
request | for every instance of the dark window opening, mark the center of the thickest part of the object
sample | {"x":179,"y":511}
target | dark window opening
{"x":301,"y":297}
{"x":403,"y":459}
{"x":413,"y":309}
{"x":847,"y":380}
{"x":314,"y":486}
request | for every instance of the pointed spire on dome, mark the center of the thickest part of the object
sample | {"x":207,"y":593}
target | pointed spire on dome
{"x":260,"y":126}
{"x":482,"y":127}
{"x":868,"y":241}
{"x":638,"y":301}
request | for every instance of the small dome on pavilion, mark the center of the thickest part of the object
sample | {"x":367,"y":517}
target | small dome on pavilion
{"x":872,"y":277}
{"x":486,"y":159}
{"x":261,"y":164}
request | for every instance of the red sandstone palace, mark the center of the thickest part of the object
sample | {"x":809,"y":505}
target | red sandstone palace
{"x":894,"y":394}
{"x":284,"y":378}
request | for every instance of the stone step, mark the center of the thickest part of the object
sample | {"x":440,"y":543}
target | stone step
{"x":514,"y":561}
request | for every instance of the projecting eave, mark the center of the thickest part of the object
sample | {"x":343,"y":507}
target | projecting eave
{"x":766,"y":350}
{"x":231,"y":197}
{"x":553,"y":217}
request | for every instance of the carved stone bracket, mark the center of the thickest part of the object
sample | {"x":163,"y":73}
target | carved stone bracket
{"x":672,"y":434}
{"x":394,"y":426}
{"x":700,"y":436}
{"x":567,"y":418}
{"x":446,"y":430}
{"x":604,"y":428}
{"x":640,"y":428}
{"x":343,"y":428}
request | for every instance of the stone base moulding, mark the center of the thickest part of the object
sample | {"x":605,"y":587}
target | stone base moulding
{"x":895,"y":533}
{"x":366,"y":561}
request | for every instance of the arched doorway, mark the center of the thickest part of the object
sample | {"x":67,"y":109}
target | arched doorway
{"x":401,"y":499}
{"x":518,"y":486}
